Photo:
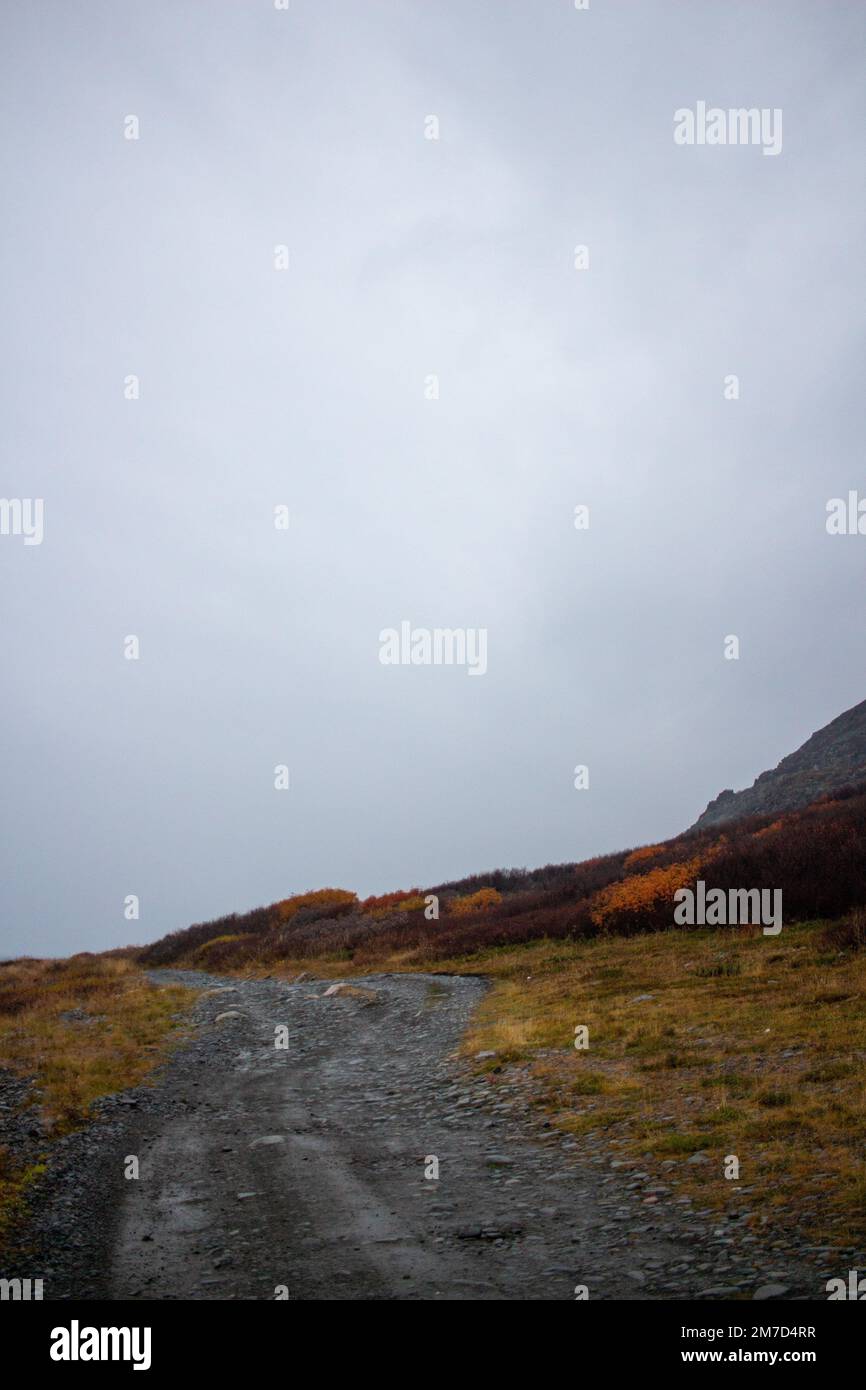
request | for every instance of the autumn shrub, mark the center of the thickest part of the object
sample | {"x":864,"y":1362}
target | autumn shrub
{"x":642,"y":902}
{"x":384,"y":903}
{"x":329,"y":901}
{"x":225,"y":950}
{"x":481,"y":901}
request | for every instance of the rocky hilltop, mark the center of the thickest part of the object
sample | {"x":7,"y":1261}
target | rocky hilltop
{"x":832,"y":758}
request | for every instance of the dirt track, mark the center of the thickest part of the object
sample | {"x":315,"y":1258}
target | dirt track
{"x":303,"y":1170}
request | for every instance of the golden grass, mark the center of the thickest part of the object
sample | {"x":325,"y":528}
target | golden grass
{"x":75,"y":1062}
{"x":750,"y":1046}
{"x":127,"y":1026}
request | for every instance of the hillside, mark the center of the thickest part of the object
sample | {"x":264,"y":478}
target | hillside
{"x":815,"y":856}
{"x":832,"y":758}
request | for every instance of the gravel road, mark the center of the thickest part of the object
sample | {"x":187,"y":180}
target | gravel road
{"x":305,"y":1171}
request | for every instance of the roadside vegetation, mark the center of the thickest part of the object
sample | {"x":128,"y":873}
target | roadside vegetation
{"x":71,"y":1031}
{"x":701,"y":1045}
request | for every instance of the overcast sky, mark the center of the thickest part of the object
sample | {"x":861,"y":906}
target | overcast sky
{"x":411,"y":257}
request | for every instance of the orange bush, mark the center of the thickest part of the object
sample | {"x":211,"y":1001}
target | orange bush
{"x":475,"y":902}
{"x":642,"y":892}
{"x":322,"y":897}
{"x":406,"y":900}
{"x":408,"y":904}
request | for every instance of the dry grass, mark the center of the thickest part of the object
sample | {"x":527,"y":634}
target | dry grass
{"x":750,"y":1046}
{"x":74,"y":1061}
{"x":118,"y":1029}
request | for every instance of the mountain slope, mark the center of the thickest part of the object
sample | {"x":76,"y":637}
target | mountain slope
{"x":833,"y":758}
